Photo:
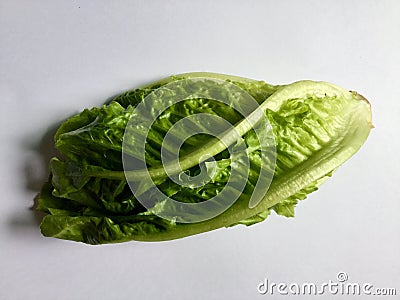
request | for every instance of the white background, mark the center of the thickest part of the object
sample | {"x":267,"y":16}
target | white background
{"x":58,"y":57}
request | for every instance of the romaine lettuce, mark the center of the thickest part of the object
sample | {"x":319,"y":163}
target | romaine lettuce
{"x":313,"y":127}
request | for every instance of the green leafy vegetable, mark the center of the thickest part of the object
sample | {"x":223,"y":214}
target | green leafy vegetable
{"x":314,"y":127}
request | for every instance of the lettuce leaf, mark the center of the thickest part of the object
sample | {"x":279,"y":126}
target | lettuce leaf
{"x":316,"y":126}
